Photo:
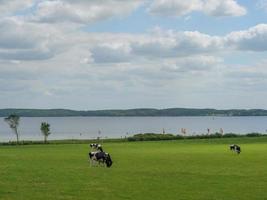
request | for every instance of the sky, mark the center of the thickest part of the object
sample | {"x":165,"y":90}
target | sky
{"x":123,"y":54}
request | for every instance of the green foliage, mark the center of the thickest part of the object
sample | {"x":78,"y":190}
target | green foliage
{"x":153,"y":137}
{"x":229,"y":135}
{"x":13,"y":121}
{"x":156,"y":136}
{"x":254,"y":135}
{"x":45,"y":129}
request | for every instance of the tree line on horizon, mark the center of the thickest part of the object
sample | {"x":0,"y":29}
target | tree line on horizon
{"x":132,"y":112}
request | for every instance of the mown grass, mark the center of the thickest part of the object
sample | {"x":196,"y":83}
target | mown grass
{"x":182,"y":169}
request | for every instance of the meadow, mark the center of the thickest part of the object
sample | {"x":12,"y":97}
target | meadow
{"x":181,"y":169}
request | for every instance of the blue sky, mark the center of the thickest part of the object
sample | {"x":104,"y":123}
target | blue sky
{"x":140,"y":21}
{"x":109,"y":54}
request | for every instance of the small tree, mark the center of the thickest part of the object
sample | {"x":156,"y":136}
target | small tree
{"x":13,"y":122}
{"x":45,"y":129}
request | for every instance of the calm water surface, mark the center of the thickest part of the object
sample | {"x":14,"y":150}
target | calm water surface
{"x":117,"y":127}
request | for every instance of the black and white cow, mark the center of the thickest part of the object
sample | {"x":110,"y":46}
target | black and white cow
{"x":100,"y":157}
{"x":97,"y":147}
{"x":236,"y":148}
{"x":232,"y":147}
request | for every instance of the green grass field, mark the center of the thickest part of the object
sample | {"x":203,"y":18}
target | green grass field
{"x":190,"y":169}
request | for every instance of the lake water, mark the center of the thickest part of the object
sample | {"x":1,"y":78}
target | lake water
{"x":117,"y":127}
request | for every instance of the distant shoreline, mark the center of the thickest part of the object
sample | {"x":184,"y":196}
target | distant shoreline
{"x":139,"y":112}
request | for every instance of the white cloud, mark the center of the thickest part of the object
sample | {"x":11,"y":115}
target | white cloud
{"x":223,"y":8}
{"x":23,"y":40}
{"x":20,"y":40}
{"x":176,"y":44}
{"x":10,"y":6}
{"x":253,"y":39}
{"x":46,"y":58}
{"x":111,"y":52}
{"x":154,"y":45}
{"x":209,"y":7}
{"x":82,"y":11}
{"x":162,"y":44}
{"x":194,"y":64}
{"x":247,"y":77}
{"x":174,"y":8}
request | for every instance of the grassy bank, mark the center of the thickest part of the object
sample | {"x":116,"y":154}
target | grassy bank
{"x":180,"y":169}
{"x":138,"y":137}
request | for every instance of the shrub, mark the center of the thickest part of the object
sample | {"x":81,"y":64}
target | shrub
{"x":254,"y":135}
{"x":152,"y":137}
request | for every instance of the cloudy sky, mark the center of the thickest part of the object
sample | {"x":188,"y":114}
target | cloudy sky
{"x":108,"y":54}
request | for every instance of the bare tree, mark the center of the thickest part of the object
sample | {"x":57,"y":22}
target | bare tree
{"x":13,"y":122}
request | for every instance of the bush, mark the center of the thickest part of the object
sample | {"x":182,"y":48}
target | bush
{"x":152,"y":137}
{"x":254,"y":135}
{"x":230,"y":135}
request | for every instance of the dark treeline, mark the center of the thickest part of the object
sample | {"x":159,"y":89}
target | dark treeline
{"x":132,"y":112}
{"x":169,"y":136}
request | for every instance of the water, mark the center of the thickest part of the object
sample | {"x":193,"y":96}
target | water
{"x":117,"y":127}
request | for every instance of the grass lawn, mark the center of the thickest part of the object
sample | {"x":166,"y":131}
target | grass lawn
{"x":190,"y":169}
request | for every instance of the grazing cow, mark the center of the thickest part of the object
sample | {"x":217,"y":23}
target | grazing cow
{"x":100,"y":157}
{"x":236,"y":148}
{"x":232,"y":147}
{"x":97,"y":147}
